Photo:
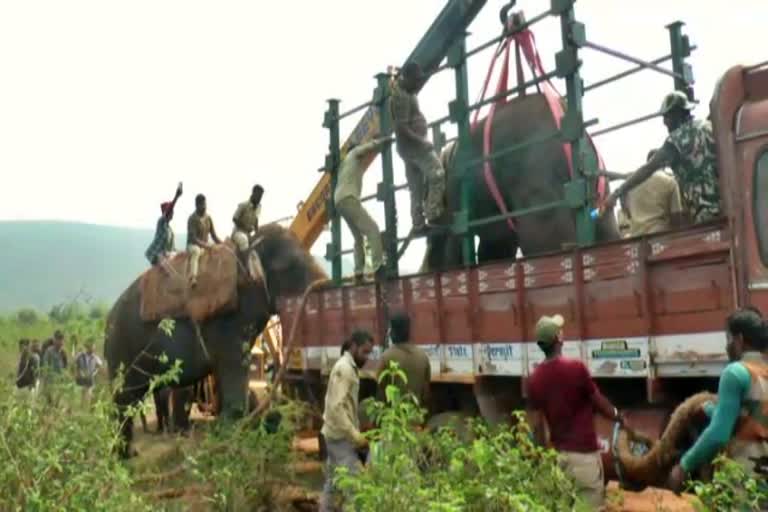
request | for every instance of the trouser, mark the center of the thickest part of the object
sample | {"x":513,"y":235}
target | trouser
{"x":587,"y":471}
{"x":241,"y":240}
{"x":195,"y":251}
{"x":424,"y":170}
{"x":86,"y":395}
{"x":362,"y":227}
{"x":341,"y":452}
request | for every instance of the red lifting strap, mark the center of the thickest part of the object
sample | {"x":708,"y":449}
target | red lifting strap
{"x":525,"y":40}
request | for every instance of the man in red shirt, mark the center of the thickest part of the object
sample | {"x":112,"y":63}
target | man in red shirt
{"x":562,"y":393}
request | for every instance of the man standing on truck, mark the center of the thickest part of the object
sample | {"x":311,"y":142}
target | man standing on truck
{"x":690,"y":152}
{"x":199,"y":229}
{"x":162,"y":245}
{"x":346,"y":197}
{"x":422,"y":165}
{"x":246,"y":219}
{"x":341,"y":421}
{"x":653,"y":206}
{"x":738,"y":420}
{"x":411,"y":359}
{"x":562,"y":393}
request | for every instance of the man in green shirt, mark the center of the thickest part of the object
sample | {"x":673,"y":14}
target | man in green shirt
{"x":738,"y":422}
{"x":689,"y":151}
{"x":199,"y":230}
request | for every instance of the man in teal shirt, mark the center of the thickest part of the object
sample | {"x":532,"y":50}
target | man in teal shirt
{"x":738,"y":421}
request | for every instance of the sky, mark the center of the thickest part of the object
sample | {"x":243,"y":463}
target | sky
{"x":105,"y":105}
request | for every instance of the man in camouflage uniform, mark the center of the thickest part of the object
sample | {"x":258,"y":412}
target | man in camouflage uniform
{"x":422,"y":165}
{"x":690,"y":152}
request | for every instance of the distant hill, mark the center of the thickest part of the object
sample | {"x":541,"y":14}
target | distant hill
{"x":45,"y":263}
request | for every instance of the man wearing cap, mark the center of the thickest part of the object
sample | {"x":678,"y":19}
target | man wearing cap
{"x":561,"y":393}
{"x":246,"y":219}
{"x":423,"y":168}
{"x":690,"y":152}
{"x":163,"y":243}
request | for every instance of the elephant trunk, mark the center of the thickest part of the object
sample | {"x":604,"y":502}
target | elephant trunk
{"x":652,"y":467}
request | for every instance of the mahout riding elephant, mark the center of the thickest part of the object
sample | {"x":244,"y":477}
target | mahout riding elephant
{"x":142,"y":350}
{"x":527,"y":177}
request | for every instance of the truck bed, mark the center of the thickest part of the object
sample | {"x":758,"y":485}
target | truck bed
{"x":635,"y":308}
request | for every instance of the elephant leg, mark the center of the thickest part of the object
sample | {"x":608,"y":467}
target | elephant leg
{"x":182,"y":403}
{"x":161,"y":409}
{"x":123,"y":401}
{"x":494,"y":249}
{"x":232,"y":384}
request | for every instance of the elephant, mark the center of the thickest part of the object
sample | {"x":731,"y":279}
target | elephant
{"x":135,"y":348}
{"x":527,"y":177}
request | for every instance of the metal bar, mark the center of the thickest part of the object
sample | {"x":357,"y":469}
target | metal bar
{"x":509,"y":92}
{"x":584,"y":165}
{"x":370,"y":197}
{"x":522,"y":145}
{"x":438,"y":122}
{"x":518,"y":213}
{"x":335,"y":160}
{"x":625,"y":74}
{"x":634,"y":60}
{"x":679,"y":46}
{"x":388,"y":180}
{"x":754,"y":67}
{"x":631,"y":122}
{"x":462,"y":122}
{"x":753,"y":135}
{"x":354,"y":110}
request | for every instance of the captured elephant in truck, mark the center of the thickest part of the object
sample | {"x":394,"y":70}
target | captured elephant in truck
{"x":214,"y":324}
{"x":530,"y":176}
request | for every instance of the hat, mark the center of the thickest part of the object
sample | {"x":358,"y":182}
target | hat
{"x":675,"y":99}
{"x":548,"y":327}
{"x":165,"y":207}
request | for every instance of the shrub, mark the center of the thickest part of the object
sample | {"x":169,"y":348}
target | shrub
{"x":500,"y":469}
{"x":731,"y":489}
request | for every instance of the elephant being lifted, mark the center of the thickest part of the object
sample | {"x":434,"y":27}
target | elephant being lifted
{"x":527,"y":177}
{"x":136,"y":345}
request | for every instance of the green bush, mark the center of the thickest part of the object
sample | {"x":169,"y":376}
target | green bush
{"x":730,"y":489}
{"x":61,"y":458}
{"x":500,"y":469}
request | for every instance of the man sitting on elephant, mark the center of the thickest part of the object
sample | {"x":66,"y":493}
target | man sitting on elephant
{"x":422,"y":165}
{"x":346,"y":197}
{"x":738,"y":420}
{"x":163,"y":243}
{"x":690,"y":152}
{"x":199,"y":229}
{"x":654,"y":205}
{"x":246,"y":219}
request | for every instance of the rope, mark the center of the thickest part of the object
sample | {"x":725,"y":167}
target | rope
{"x":200,"y":339}
{"x":286,"y":350}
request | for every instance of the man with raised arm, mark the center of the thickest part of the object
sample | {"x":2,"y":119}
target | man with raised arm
{"x":689,"y":151}
{"x":162,"y":245}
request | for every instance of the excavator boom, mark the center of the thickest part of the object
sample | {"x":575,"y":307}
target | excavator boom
{"x":451,"y":23}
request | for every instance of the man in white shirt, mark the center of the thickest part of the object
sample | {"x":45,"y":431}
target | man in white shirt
{"x":346,"y":197}
{"x":87,"y":365}
{"x":341,"y":423}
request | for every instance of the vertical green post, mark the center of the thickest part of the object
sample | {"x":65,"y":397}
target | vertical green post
{"x":457,"y":59}
{"x":681,"y":49}
{"x":332,"y":161}
{"x":386,"y":189}
{"x":580,"y":191}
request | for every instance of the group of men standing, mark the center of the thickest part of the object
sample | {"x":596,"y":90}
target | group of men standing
{"x":46,"y":367}
{"x":200,"y":230}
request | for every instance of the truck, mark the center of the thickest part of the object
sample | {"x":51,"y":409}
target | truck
{"x":646,"y":315}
